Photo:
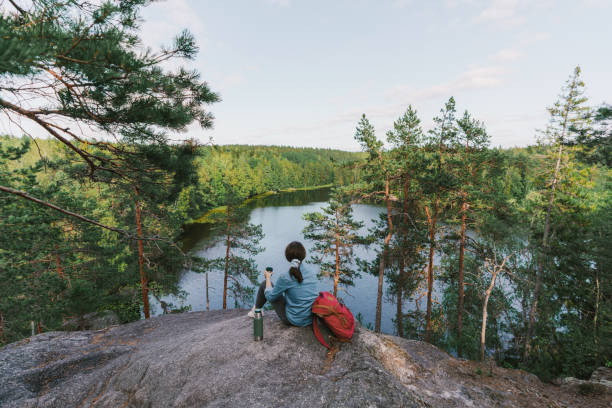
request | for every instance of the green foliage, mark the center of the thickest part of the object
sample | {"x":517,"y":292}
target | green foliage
{"x":58,"y":267}
{"x":334,"y":233}
{"x":537,"y":211}
{"x":83,"y":67}
{"x":241,"y":242}
{"x":595,"y":143}
{"x":250,"y":170}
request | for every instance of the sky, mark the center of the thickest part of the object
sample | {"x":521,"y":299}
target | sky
{"x":301,"y":72}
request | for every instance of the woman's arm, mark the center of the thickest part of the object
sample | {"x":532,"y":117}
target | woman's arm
{"x":268,"y":276}
{"x":273,"y":293}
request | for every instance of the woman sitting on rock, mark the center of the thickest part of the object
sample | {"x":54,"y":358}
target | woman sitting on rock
{"x":294,"y":292}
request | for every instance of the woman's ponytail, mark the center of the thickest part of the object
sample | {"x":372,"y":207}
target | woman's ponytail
{"x":295,"y":253}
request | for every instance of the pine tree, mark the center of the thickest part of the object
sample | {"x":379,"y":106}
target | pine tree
{"x":84,"y":70}
{"x":472,"y":135}
{"x":241,"y":242}
{"x":378,"y":176}
{"x":406,"y":248}
{"x":568,"y":116}
{"x":334,"y":233}
{"x":438,"y":181}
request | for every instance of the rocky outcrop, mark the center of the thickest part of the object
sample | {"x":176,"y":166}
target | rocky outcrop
{"x":600,"y":383}
{"x":209,"y":359}
{"x":92,"y":321}
{"x":602,"y":375}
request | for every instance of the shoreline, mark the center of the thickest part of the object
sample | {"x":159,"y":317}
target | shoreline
{"x":204,"y":219}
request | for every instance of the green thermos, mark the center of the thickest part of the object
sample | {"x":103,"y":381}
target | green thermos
{"x":258,"y":325}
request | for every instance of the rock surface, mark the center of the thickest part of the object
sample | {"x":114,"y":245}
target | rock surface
{"x":92,"y":321}
{"x":209,"y":359}
{"x":602,"y":375}
{"x":600,"y":383}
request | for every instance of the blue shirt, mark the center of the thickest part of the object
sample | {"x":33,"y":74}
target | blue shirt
{"x":298,"y":296}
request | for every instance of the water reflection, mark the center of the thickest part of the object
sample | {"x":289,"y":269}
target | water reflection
{"x":281,"y":219}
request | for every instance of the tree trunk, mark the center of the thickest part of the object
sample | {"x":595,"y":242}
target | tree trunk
{"x":337,"y":274}
{"x":1,"y":327}
{"x":143,"y":277}
{"x":597,"y":297}
{"x":400,"y":294}
{"x":58,"y":264}
{"x":227,"y":255}
{"x":402,"y":269}
{"x":461,"y":275}
{"x":464,"y":208}
{"x":207,"y":299}
{"x":494,"y":271}
{"x":381,"y":269}
{"x":432,"y":218}
{"x":483,"y":329}
{"x":540,"y":268}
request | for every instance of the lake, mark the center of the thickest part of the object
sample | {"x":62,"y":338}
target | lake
{"x":281,"y":218}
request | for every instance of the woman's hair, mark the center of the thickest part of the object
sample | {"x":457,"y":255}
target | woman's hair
{"x":295,"y":250}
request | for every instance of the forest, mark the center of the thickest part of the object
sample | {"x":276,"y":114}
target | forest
{"x":92,"y":223}
{"x":522,"y":234}
{"x":68,"y":268}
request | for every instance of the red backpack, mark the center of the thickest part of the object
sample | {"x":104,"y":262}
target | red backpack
{"x":337,"y":317}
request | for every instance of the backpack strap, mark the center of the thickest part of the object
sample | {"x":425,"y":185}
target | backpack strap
{"x":317,"y":331}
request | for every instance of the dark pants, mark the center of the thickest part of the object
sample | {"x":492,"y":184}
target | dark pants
{"x":278,"y":304}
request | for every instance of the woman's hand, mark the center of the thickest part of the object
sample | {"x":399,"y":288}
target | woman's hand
{"x":268,"y":275}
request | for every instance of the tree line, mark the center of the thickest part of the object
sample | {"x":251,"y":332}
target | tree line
{"x":521,"y":235}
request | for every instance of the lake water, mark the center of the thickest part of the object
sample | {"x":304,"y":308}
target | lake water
{"x":281,"y":218}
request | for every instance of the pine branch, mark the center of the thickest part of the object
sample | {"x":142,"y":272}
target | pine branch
{"x":27,"y":196}
{"x":19,"y":9}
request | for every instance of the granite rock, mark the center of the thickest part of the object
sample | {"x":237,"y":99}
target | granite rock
{"x":209,"y":359}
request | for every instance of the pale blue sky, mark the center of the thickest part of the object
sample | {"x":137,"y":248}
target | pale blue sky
{"x":301,"y":72}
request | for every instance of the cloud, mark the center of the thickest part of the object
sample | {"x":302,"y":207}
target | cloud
{"x":499,"y":10}
{"x":502,"y":13}
{"x":508,"y":54}
{"x":281,"y":3}
{"x":474,"y":78}
{"x":456,"y":3}
{"x":514,"y":128}
{"x":509,"y":13}
{"x":596,"y":3}
{"x":164,"y":20}
{"x":471,"y":79}
{"x":532,"y":38}
{"x":402,"y":3}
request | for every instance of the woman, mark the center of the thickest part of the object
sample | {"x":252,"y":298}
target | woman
{"x":294,"y":292}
